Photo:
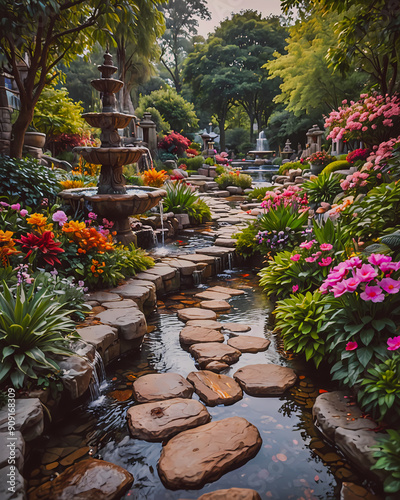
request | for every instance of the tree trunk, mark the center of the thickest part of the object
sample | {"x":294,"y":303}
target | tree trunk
{"x":251,"y":117}
{"x":221,"y":123}
{"x":19,"y":128}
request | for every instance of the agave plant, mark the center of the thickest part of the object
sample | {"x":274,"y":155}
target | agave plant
{"x":32,"y":325}
{"x":323,"y":188}
{"x":179,"y":198}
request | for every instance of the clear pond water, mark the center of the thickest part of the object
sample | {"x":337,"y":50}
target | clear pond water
{"x":293,"y":462}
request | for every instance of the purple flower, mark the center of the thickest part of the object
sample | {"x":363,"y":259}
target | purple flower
{"x":60,"y":217}
{"x":92,"y":215}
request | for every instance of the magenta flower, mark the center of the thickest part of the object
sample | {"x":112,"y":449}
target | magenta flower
{"x":373,"y":293}
{"x":23,"y":212}
{"x":4,"y":204}
{"x":325,"y":247}
{"x":366,"y":273}
{"x":351,"y":284}
{"x":92,"y":215}
{"x":60,"y":217}
{"x":389,"y":266}
{"x":353,"y":262}
{"x":377,"y":259}
{"x":307,"y":244}
{"x":295,"y":257}
{"x":316,"y":254}
{"x":325,"y":262}
{"x":295,"y":288}
{"x":393,"y":343}
{"x":339,"y":289}
{"x":16,"y":206}
{"x":351,"y":346}
{"x":390,"y":285}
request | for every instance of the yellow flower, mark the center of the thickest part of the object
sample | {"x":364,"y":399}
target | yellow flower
{"x":5,"y":236}
{"x":73,"y":226}
{"x":38,"y":220}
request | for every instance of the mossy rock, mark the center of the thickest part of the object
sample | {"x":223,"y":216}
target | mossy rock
{"x":336,"y":165}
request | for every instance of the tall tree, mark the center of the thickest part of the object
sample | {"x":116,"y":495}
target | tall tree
{"x":308,"y":83}
{"x":368,"y":36}
{"x":41,"y":35}
{"x":255,"y":40}
{"x":181,"y":19}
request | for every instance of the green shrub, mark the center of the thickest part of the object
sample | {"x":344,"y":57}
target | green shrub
{"x":32,"y":325}
{"x":134,"y":180}
{"x":179,"y":198}
{"x":277,"y":161}
{"x":259,"y":193}
{"x":199,"y":213}
{"x":388,"y":455}
{"x":292,"y":165}
{"x":220,"y":170}
{"x":246,"y":244}
{"x":299,"y":318}
{"x":209,"y":161}
{"x":28,"y":180}
{"x":323,"y":188}
{"x":336,"y":165}
{"x":192,"y":163}
{"x":379,"y":393}
{"x":232,"y":179}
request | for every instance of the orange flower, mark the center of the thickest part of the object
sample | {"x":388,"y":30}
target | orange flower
{"x":70,"y":184}
{"x":154,"y":178}
{"x":7,"y":245}
{"x":40,"y":223}
{"x":73,"y":227}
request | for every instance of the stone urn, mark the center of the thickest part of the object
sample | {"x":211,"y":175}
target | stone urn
{"x":316,"y":169}
{"x":35,"y":139}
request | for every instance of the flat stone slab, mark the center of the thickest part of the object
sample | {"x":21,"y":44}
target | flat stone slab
{"x":215,"y":389}
{"x":131,"y":322}
{"x":197,"y":335}
{"x":186,"y":268}
{"x":217,"y":366}
{"x":198,"y":456}
{"x":236,"y":327}
{"x":166,"y":272}
{"x":153,"y":278}
{"x":103,"y":297}
{"x":161,"y":386}
{"x":331,"y":410}
{"x":213,"y":351}
{"x":225,"y":289}
{"x":133,"y":291}
{"x":249,"y":344}
{"x":351,"y":491}
{"x":196,"y":313}
{"x":121,"y":304}
{"x":225,"y":242}
{"x":217,"y":251}
{"x":164,"y":419}
{"x":100,"y":336}
{"x":231,"y":494}
{"x":205,"y":323}
{"x":90,"y":479}
{"x":194,"y":257}
{"x":212,"y":295}
{"x":265,"y":379}
{"x":28,"y":418}
{"x":215,"y":305}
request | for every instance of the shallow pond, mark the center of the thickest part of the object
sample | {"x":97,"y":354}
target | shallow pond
{"x":293,"y":462}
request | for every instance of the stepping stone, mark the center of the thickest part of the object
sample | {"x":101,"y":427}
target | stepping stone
{"x":198,"y":258}
{"x":205,"y":323}
{"x":265,"y":379}
{"x":330,"y":411}
{"x":197,"y":334}
{"x":225,"y":289}
{"x":215,"y":305}
{"x":217,"y":366}
{"x":201,"y":455}
{"x":101,"y":336}
{"x":161,"y":386}
{"x":90,"y":479}
{"x":224,"y":242}
{"x":215,"y":389}
{"x":131,"y":322}
{"x":212,"y":351}
{"x":351,"y":491}
{"x":217,"y":251}
{"x":232,"y":494}
{"x":164,"y":419}
{"x":186,"y":268}
{"x":121,"y":304}
{"x":212,"y":295}
{"x":195,"y":313}
{"x":249,"y":344}
{"x":104,"y":297}
{"x":236,"y":327}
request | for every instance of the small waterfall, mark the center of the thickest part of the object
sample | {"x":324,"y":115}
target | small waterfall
{"x":230,"y":260}
{"x":197,"y":277}
{"x":162,"y":223}
{"x":147,"y":158}
{"x":98,"y":376}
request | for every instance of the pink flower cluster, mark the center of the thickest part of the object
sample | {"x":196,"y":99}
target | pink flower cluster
{"x":4,"y":206}
{"x":392,"y":343}
{"x":370,"y":280}
{"x":287,"y":197}
{"x":358,"y":179}
{"x":365,"y":119}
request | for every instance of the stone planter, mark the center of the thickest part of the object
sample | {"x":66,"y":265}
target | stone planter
{"x":316,"y":169}
{"x":35,"y":139}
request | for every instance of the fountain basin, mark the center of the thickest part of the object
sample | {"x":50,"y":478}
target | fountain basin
{"x":108,"y":120}
{"x":107,"y":85}
{"x":113,"y":157}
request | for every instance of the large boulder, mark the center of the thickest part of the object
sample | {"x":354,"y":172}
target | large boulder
{"x":89,"y":479}
{"x":163,"y":419}
{"x":201,"y":455}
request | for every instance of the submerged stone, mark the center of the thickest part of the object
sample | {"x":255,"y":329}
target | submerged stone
{"x":198,"y":456}
{"x":163,"y":419}
{"x":265,"y":379}
{"x":225,"y":289}
{"x":161,"y":386}
{"x":215,"y":389}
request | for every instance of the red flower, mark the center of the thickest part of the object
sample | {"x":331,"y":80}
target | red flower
{"x":44,"y":245}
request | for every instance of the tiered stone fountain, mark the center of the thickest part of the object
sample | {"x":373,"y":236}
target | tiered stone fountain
{"x":112,"y":199}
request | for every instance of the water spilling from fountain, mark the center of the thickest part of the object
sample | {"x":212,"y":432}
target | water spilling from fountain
{"x":112,"y":199}
{"x":262,"y":142}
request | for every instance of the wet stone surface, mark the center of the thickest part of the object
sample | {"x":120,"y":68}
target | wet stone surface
{"x":161,"y":386}
{"x":212,"y":351}
{"x":265,"y":379}
{"x":195,"y":335}
{"x":215,"y":389}
{"x":249,"y":344}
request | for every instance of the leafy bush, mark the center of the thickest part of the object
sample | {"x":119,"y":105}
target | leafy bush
{"x":209,"y":161}
{"x":174,"y":143}
{"x":192,"y":163}
{"x":388,"y":455}
{"x":321,"y":158}
{"x":181,"y":199}
{"x":32,"y":325}
{"x":258,"y":193}
{"x":300,"y":318}
{"x":246,"y":241}
{"x":28,"y":180}
{"x":292,"y":165}
{"x":379,"y":393}
{"x":199,"y":212}
{"x":234,"y":179}
{"x":277,"y":161}
{"x":324,"y":188}
{"x":336,"y":165}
